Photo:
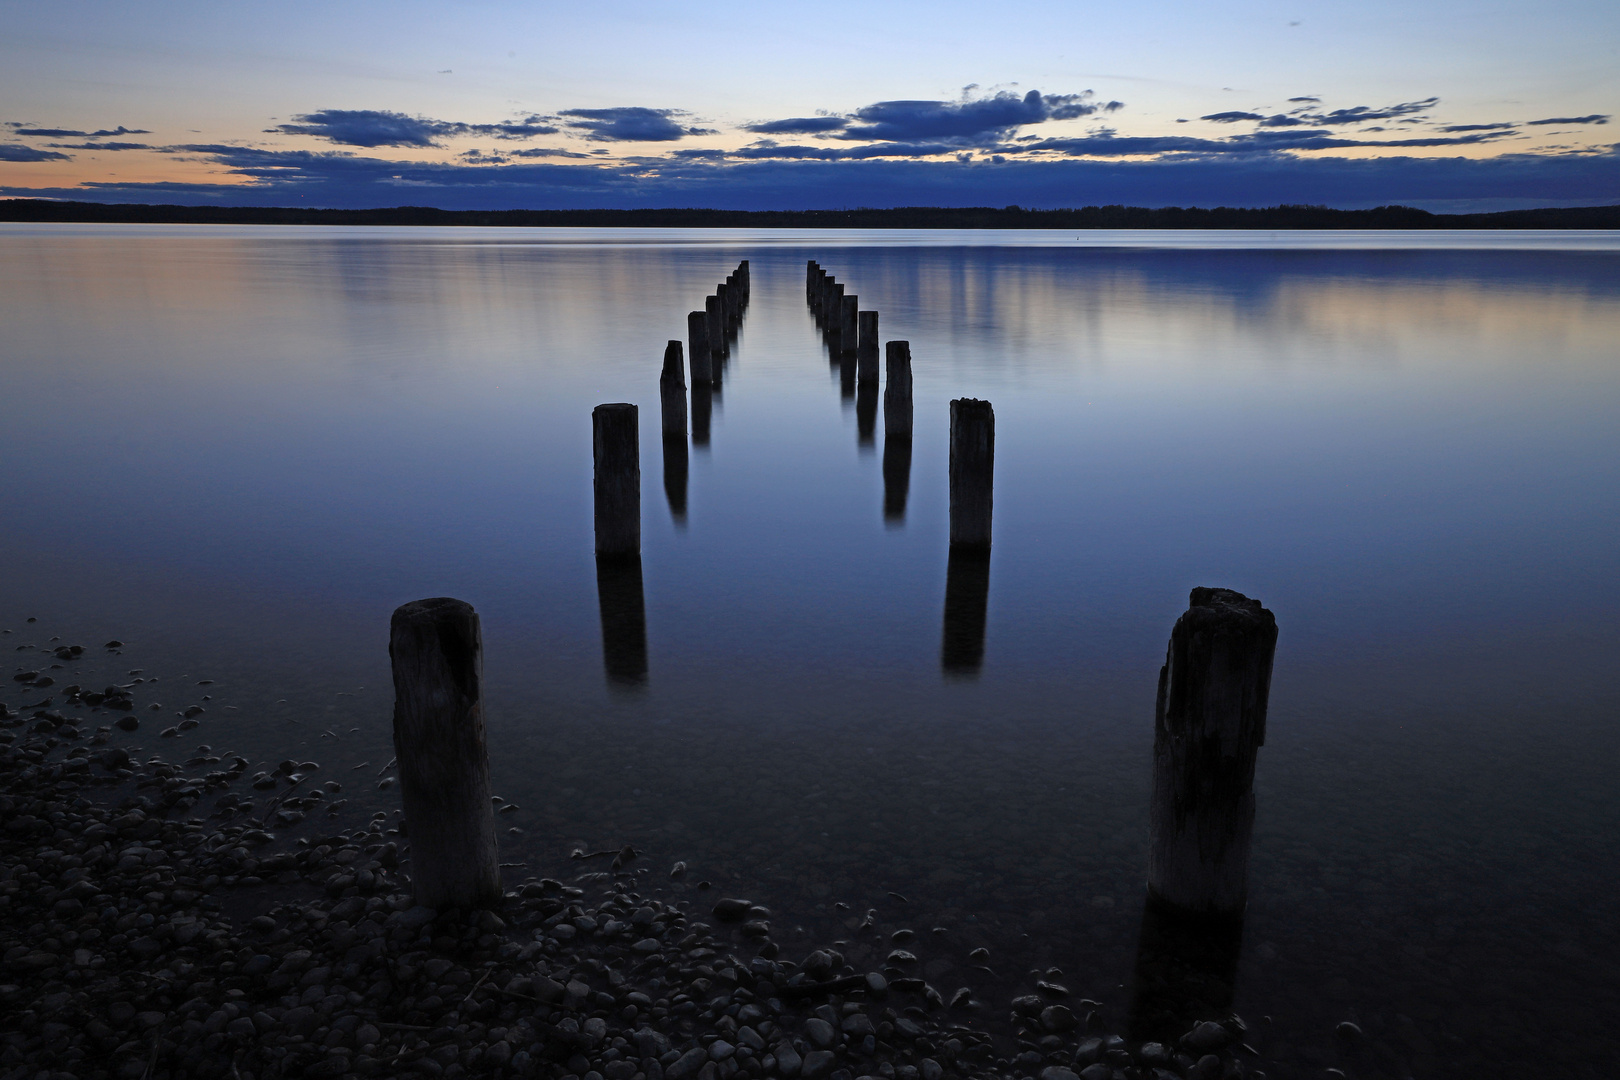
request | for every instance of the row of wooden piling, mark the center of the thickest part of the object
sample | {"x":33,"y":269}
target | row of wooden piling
{"x":710,"y":332}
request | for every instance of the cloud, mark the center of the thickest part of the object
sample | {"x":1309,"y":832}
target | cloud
{"x":1231,"y":117}
{"x":369,"y":127}
{"x":970,"y":121}
{"x":18,"y":152}
{"x":632,"y":124}
{"x":65,"y":133}
{"x":340,"y":179}
{"x":1257,"y":143}
{"x":800,"y":125}
{"x":1472,"y":127}
{"x":379,"y":127}
{"x":1593,"y":118}
{"x":1308,"y":99}
{"x":102,"y":146}
{"x":767,"y":150}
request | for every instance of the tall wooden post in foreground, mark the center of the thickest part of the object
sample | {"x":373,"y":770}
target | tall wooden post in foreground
{"x":616,"y":444}
{"x":849,"y":334}
{"x":436,"y":648}
{"x":1209,"y":723}
{"x":973,"y":460}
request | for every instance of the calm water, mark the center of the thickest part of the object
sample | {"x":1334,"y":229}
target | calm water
{"x":239,"y":449}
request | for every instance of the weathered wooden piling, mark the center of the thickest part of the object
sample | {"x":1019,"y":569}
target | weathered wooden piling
{"x":697,"y":347}
{"x":973,"y":460}
{"x":672,"y":392}
{"x":848,"y":323}
{"x":617,"y":450}
{"x":866,"y":347}
{"x":436,"y":647}
{"x":1209,"y":723}
{"x":716,"y":323}
{"x":623,"y":609}
{"x":897,"y":390}
{"x":967,"y":602}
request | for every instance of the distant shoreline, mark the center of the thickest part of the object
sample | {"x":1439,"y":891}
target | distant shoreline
{"x":917,"y":217}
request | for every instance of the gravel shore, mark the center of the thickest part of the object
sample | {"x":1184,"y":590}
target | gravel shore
{"x":144,"y":941}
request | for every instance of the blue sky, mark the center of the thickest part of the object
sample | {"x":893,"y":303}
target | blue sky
{"x":754,"y":106}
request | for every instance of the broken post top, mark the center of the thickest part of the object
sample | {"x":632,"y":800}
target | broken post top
{"x":1219,"y":664}
{"x":675,"y":361}
{"x":443,"y":627}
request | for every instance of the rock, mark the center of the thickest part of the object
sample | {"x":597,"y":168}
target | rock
{"x":1058,"y":1018}
{"x":820,"y":1032}
{"x":788,"y":1061}
{"x":1347,"y":1030}
{"x":731,"y":910}
{"x":719,"y":1050}
{"x":817,"y":1063}
{"x":687,"y":1064}
{"x":127,"y":723}
{"x":930,"y":1069}
{"x":1057,"y":1072}
{"x":1096,"y":1072}
{"x":1207,"y":1035}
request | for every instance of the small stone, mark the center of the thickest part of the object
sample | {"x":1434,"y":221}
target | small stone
{"x":1347,"y":1030}
{"x":127,"y":723}
{"x":930,"y":1068}
{"x":1057,"y":1072}
{"x":731,"y":910}
{"x":687,"y":1064}
{"x":1207,"y":1035}
{"x":719,"y":1050}
{"x":817,"y":1063}
{"x":1058,"y":1018}
{"x":820,"y":1032}
{"x":1096,"y":1072}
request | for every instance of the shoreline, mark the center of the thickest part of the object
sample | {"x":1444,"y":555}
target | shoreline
{"x":143,"y":941}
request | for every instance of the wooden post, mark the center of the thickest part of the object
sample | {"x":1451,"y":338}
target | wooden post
{"x":697,"y":347}
{"x":967,"y":600}
{"x":1186,"y":971}
{"x":617,"y":450}
{"x":973,"y":459}
{"x":897,"y":391}
{"x":866,"y":349}
{"x":437,"y":652}
{"x":672,"y":392}
{"x":717,"y":334}
{"x":848,"y":328}
{"x":1208,"y":725}
{"x":623,"y":608}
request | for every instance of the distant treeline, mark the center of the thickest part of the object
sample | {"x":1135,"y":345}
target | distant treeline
{"x":908,"y":217}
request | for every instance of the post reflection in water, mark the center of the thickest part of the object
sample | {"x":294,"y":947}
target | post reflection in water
{"x":624,"y":619}
{"x":675,"y":471}
{"x":866,"y":403}
{"x":897,"y":479}
{"x":846,"y":377}
{"x":702,"y":412}
{"x":1186,"y":971}
{"x":967,"y":598}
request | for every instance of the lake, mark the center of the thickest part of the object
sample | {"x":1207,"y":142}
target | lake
{"x":237,"y":449}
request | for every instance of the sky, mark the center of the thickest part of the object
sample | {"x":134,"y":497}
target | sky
{"x":497,"y":105}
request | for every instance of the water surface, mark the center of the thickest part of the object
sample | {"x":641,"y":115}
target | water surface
{"x":239,"y":448}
